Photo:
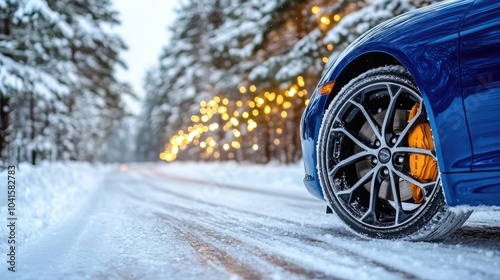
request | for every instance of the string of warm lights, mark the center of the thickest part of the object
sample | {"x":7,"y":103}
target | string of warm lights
{"x":235,"y":119}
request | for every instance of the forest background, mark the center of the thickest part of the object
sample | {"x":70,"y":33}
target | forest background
{"x":231,"y":83}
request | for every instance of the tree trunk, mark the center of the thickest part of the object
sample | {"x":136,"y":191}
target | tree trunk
{"x":4,"y":123}
{"x":33,"y":126}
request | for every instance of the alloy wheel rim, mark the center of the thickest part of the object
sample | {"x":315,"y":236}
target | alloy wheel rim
{"x":386,"y":154}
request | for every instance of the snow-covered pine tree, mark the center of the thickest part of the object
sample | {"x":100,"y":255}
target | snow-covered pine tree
{"x":184,"y":72}
{"x":95,"y":104}
{"x":255,"y":32}
{"x":57,"y":58}
{"x":33,"y":78}
{"x":153,"y":119}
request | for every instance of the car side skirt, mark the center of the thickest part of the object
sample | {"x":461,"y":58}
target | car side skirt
{"x":472,"y":188}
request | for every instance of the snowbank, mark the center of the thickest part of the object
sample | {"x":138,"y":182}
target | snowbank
{"x":45,"y":196}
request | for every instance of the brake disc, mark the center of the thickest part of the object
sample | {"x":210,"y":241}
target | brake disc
{"x":363,"y":167}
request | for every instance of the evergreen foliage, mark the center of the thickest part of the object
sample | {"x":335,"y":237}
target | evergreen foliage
{"x":236,"y":76}
{"x":59,"y":97}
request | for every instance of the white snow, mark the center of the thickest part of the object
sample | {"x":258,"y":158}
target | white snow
{"x":213,"y":221}
{"x":46,"y":195}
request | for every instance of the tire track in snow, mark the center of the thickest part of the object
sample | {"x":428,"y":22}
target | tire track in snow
{"x":204,"y":242}
{"x":315,"y":242}
{"x":479,"y":236}
{"x":311,"y":241}
{"x":363,"y":259}
{"x":290,"y":237}
{"x":209,"y":253}
{"x":162,"y":189}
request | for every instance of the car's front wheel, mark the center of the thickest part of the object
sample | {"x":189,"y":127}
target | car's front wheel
{"x":377,"y":162}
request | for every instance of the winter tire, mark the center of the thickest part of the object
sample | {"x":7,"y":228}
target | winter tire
{"x":376,"y":160}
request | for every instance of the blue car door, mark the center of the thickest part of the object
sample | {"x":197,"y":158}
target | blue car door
{"x":480,"y":73}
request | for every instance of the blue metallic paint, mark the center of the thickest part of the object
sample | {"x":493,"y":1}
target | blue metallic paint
{"x":311,"y":122}
{"x":473,"y":188}
{"x":479,"y":53}
{"x":426,"y":42}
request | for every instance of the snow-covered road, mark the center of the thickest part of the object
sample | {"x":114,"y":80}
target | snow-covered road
{"x":188,"y":221}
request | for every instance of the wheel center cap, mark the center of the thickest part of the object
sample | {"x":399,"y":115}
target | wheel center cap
{"x":384,"y":155}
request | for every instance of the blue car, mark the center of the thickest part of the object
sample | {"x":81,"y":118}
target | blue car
{"x":402,"y":135}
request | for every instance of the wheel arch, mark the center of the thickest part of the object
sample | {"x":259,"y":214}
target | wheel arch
{"x":358,"y":66}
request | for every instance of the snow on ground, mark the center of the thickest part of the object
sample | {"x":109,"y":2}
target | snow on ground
{"x":46,"y":195}
{"x":271,"y":177}
{"x":214,"y":221}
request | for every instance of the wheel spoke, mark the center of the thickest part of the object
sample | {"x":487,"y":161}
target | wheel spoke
{"x":391,"y":109}
{"x":389,"y":90}
{"x":350,"y":160}
{"x":369,"y":118}
{"x":408,"y":127}
{"x":409,"y":150}
{"x":401,"y":215}
{"x":353,"y":138}
{"x":370,"y":216}
{"x":346,"y":195}
{"x":426,"y":186}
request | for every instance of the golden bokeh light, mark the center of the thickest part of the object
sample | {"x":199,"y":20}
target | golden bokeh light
{"x":300,"y":81}
{"x":235,"y":144}
{"x":223,"y":113}
{"x":267,"y":110}
{"x":234,"y":121}
{"x":236,"y":133}
{"x":279,"y":99}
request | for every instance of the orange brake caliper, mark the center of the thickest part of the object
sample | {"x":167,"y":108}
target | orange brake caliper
{"x":423,"y":167}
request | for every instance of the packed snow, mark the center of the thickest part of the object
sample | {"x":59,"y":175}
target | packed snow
{"x":212,"y":221}
{"x":46,"y":195}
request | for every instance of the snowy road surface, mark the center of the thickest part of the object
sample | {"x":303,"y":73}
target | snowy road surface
{"x":189,"y":221}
